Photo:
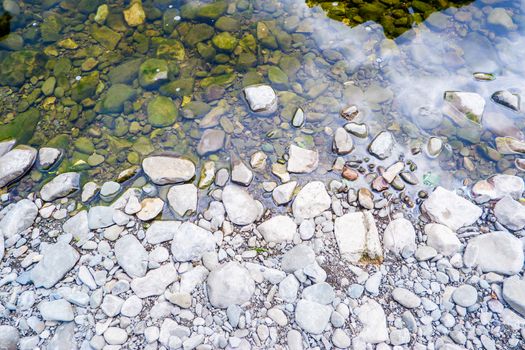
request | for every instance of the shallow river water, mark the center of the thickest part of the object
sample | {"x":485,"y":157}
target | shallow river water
{"x":110,"y":90}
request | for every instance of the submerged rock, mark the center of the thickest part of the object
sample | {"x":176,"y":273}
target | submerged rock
{"x":163,"y":170}
{"x":499,"y":186}
{"x":61,"y":186}
{"x":302,"y":160}
{"x":507,"y":99}
{"x":16,"y":163}
{"x":162,"y":111}
{"x":343,"y":143}
{"x":382,"y":145}
{"x":134,"y":15}
{"x":261,"y":98}
{"x":152,"y":72}
{"x":47,"y":157}
{"x":463,"y":106}
{"x":212,"y":140}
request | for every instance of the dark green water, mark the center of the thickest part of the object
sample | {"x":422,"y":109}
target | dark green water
{"x":78,"y":76}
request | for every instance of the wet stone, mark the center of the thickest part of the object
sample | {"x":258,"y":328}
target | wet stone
{"x":382,"y":145}
{"x":164,"y":170}
{"x":302,"y":160}
{"x":261,"y":98}
{"x":60,"y":186}
{"x":507,"y":99}
{"x":16,"y":163}
{"x":211,"y":141}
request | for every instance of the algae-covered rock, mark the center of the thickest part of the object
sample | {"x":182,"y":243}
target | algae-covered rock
{"x":212,"y":11}
{"x":178,"y":88}
{"x":84,"y":145}
{"x":225,"y":41}
{"x":227,"y":24}
{"x":85,"y":87}
{"x":115,"y":98}
{"x":195,"y":109}
{"x":162,"y":111}
{"x":198,"y":33}
{"x":134,"y":15}
{"x":51,"y":28}
{"x":16,"y":67}
{"x":105,"y":36}
{"x":152,"y":72}
{"x":22,"y":127}
{"x":169,"y":49}
{"x":125,"y":72}
{"x":277,"y":76}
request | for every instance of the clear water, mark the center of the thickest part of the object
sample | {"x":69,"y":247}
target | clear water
{"x":331,"y":58}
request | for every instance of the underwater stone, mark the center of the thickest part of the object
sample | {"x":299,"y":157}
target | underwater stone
{"x":105,"y":36}
{"x":463,"y":106}
{"x":302,"y":160}
{"x":507,"y":99}
{"x":115,"y":98}
{"x":261,"y":98}
{"x":134,"y":15}
{"x":152,"y":72}
{"x":16,"y":163}
{"x":382,"y":145}
{"x":224,"y":41}
{"x":162,"y":111}
{"x":212,"y":140}
{"x":61,"y":186}
{"x":164,"y":170}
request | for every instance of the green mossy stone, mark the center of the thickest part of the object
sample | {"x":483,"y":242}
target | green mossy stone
{"x":252,"y":78}
{"x":195,"y":109}
{"x":105,"y":36}
{"x":224,"y":79}
{"x":162,"y":111}
{"x":168,"y":20}
{"x":22,"y":127}
{"x":49,"y":86}
{"x":212,"y":11}
{"x":60,"y":141}
{"x":62,"y":66}
{"x":206,"y":51}
{"x":121,"y":127}
{"x":143,"y":146}
{"x":198,"y":33}
{"x":225,"y":41}
{"x":246,"y":60}
{"x":169,"y":49}
{"x":248,"y":43}
{"x":178,"y":88}
{"x":115,"y":98}
{"x":51,"y":28}
{"x":152,"y":72}
{"x":277,"y":76}
{"x":85,"y":87}
{"x":228,"y":24}
{"x":125,"y":72}
{"x":290,"y":65}
{"x":16,"y":67}
{"x":84,"y":145}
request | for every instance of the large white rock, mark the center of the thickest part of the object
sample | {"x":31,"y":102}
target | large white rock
{"x":464,"y":106}
{"x":261,"y":98}
{"x":21,"y":216}
{"x":312,"y":317}
{"x":48,"y":156}
{"x":311,"y":201}
{"x":447,"y":208}
{"x":183,"y":199}
{"x":499,"y":186}
{"x":56,"y":310}
{"x":78,"y":227}
{"x":230,"y":284}
{"x":161,"y":231}
{"x":241,"y":208}
{"x":514,"y":294}
{"x":382,"y":145}
{"x":302,"y":160}
{"x":131,"y":256}
{"x":57,"y":260}
{"x":190,"y":242}
{"x":61,"y":186}
{"x":373,"y":318}
{"x":510,"y":213}
{"x":278,"y":229}
{"x":164,"y":170}
{"x":357,"y":237}
{"x":9,"y":337}
{"x":499,"y":252}
{"x":399,"y":234}
{"x":16,"y":163}
{"x":155,"y":282}
{"x":442,"y":239}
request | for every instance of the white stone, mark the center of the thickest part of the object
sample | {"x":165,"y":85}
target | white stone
{"x":399,"y":234}
{"x":312,"y":317}
{"x":115,"y":336}
{"x":241,"y":174}
{"x":78,"y":227}
{"x":343,"y":143}
{"x":6,"y":146}
{"x":311,"y":201}
{"x":131,"y":256}
{"x":20,"y":217}
{"x":132,"y":306}
{"x":373,"y":318}
{"x":15,"y":163}
{"x":499,"y":186}
{"x":447,"y":208}
{"x":61,"y":186}
{"x":302,"y":160}
{"x":357,"y":237}
{"x":278,"y":229}
{"x":57,"y":260}
{"x":89,"y":191}
{"x":283,"y":194}
{"x":261,"y":98}
{"x":155,"y":282}
{"x":514,"y":294}
{"x":150,"y":208}
{"x":161,"y":231}
{"x":47,"y":157}
{"x":510,"y":213}
{"x":406,"y":298}
{"x":242,"y":209}
{"x":111,"y":305}
{"x":190,"y":242}
{"x":442,"y":239}
{"x":183,"y":199}
{"x":100,"y":217}
{"x":382,"y":145}
{"x":230,"y":284}
{"x":56,"y":310}
{"x":464,"y":106}
{"x":164,"y":170}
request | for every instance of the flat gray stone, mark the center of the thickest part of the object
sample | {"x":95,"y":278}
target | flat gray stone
{"x":312,"y":317}
{"x":465,"y":295}
{"x":100,"y":217}
{"x":58,"y":259}
{"x":161,"y":231}
{"x":131,"y":256}
{"x":56,"y":310}
{"x":155,"y":282}
{"x":15,"y":163}
{"x":297,"y":258}
{"x":321,"y":293}
{"x":406,"y":298}
{"x":19,"y":218}
{"x":190,"y":242}
{"x":61,"y":186}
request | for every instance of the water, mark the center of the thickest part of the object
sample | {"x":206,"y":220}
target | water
{"x":62,"y":59}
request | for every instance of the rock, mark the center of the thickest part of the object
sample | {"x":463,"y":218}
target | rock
{"x":365,"y":198}
{"x":261,"y":98}
{"x":283,"y":194}
{"x":298,"y":118}
{"x":131,"y":256}
{"x":241,"y":208}
{"x":15,"y":163}
{"x":150,"y":208}
{"x":212,"y":140}
{"x":183,"y":199}
{"x":131,"y":307}
{"x":258,"y":160}
{"x":357,"y":238}
{"x":190,"y":242}
{"x":106,"y":37}
{"x":424,"y":253}
{"x":434,"y":147}
{"x":356,"y":129}
{"x":498,"y":252}
{"x":373,"y":318}
{"x":392,"y":171}
{"x":514,"y":294}
{"x":465,"y":295}
{"x":115,"y":336}
{"x":155,"y":282}
{"x":499,"y":186}
{"x":382,"y":145}
{"x":230,"y":284}
{"x":64,"y":337}
{"x":312,"y":317}
{"x":501,"y":17}
{"x":111,"y":305}
{"x":19,"y":218}
{"x":241,"y":174}
{"x":61,"y":186}
{"x":288,"y":289}
{"x":321,"y":293}
{"x":100,"y":217}
{"x":343,"y":143}
{"x":163,"y":170}
{"x":78,"y":227}
{"x":47,"y":157}
{"x":510,"y":213}
{"x":311,"y":201}
{"x":162,"y":111}
{"x":152,"y":72}
{"x":9,"y":337}
{"x":56,"y":310}
{"x":350,"y":113}
{"x":6,"y":146}
{"x":507,"y":99}
{"x":278,"y":229}
{"x":399,"y":234}
{"x":442,"y":239}
{"x":89,"y":191}
{"x":340,"y":339}
{"x":297,"y":258}
{"x":134,"y":15}
{"x":58,"y":259}
{"x":116,"y":97}
{"x":447,"y":208}
{"x":161,"y":231}
{"x":464,"y":106}
{"x":406,"y":298}
{"x":302,"y":160}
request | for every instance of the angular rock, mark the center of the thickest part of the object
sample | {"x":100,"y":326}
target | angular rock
{"x":283,"y":194}
{"x":510,"y":213}
{"x":499,"y":186}
{"x":311,"y":201}
{"x":278,"y":229}
{"x":357,"y":237}
{"x":242,"y":209}
{"x":447,"y":208}
{"x":161,"y":231}
{"x":230,"y":284}
{"x":163,"y":170}
{"x":399,"y":234}
{"x":241,"y":174}
{"x":212,"y":140}
{"x":321,"y":293}
{"x":297,"y":258}
{"x":507,"y":99}
{"x":499,"y":252}
{"x":78,"y":227}
{"x":183,"y":199}
{"x":56,"y":262}
{"x":312,"y":317}
{"x":261,"y":98}
{"x":155,"y":282}
{"x":190,"y":242}
{"x":9,"y":337}
{"x":100,"y":217}
{"x":442,"y":239}
{"x":464,"y":106}
{"x":47,"y":157}
{"x":131,"y":256}
{"x":21,"y":216}
{"x":15,"y":163}
{"x":150,"y":208}
{"x":6,"y":146}
{"x":382,"y":145}
{"x":343,"y":143}
{"x":373,"y":318}
{"x":302,"y":160}
{"x":514,"y":294}
{"x":61,"y":186}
